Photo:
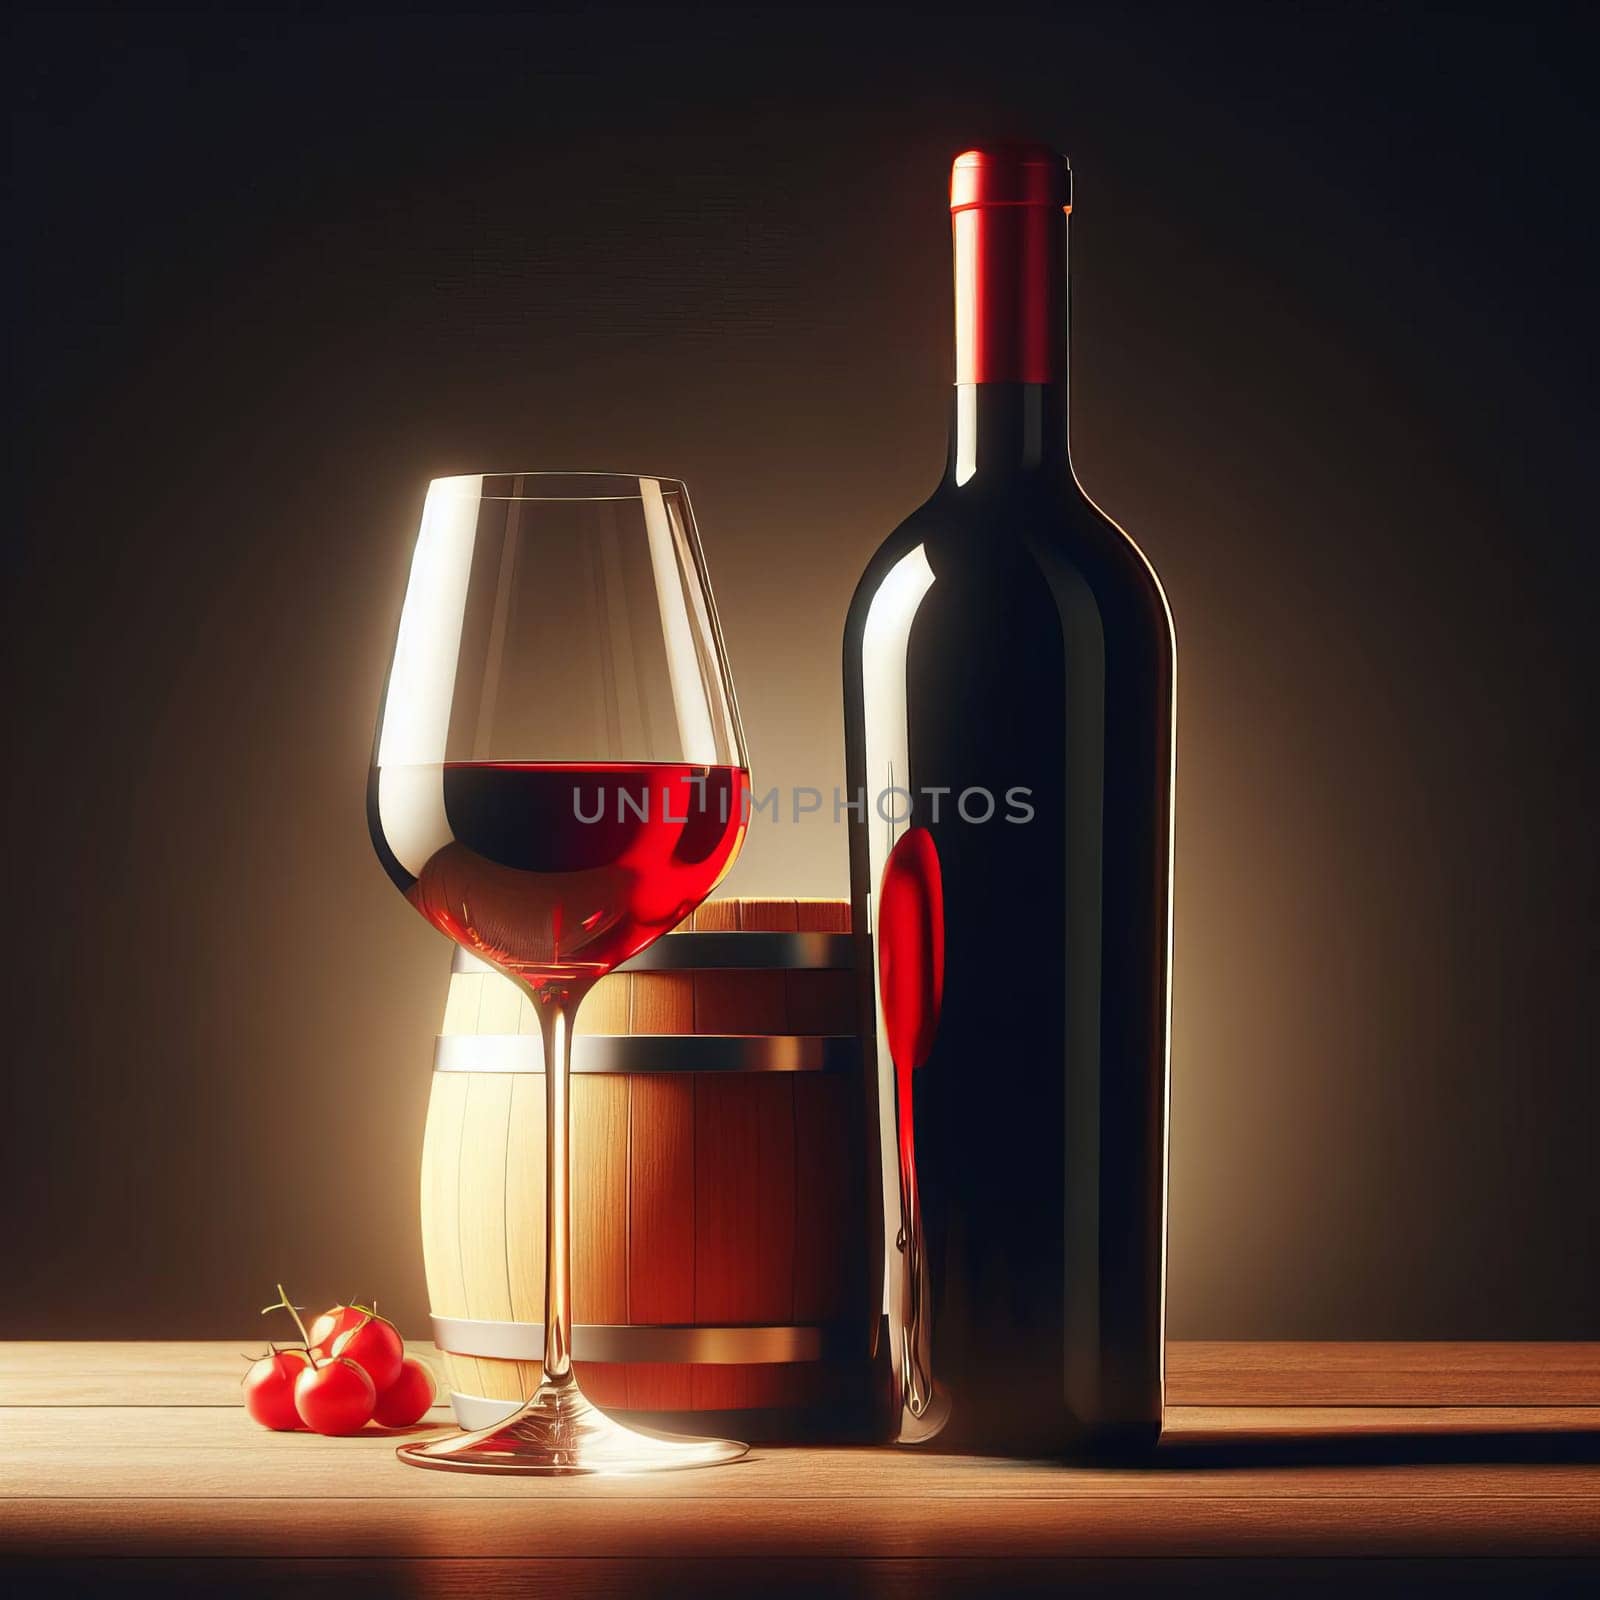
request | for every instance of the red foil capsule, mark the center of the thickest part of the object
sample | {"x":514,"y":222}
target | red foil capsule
{"x":1009,"y":204}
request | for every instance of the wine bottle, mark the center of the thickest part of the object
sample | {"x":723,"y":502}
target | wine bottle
{"x":1009,"y":700}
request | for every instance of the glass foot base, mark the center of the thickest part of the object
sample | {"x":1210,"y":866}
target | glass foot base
{"x":561,"y":1434}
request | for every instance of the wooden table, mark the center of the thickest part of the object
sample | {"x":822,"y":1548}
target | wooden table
{"x":1286,"y":1468}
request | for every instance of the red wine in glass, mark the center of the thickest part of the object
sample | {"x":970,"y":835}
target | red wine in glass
{"x":560,"y":871}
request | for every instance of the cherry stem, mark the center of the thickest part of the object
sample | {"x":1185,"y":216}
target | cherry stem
{"x":283,"y":1305}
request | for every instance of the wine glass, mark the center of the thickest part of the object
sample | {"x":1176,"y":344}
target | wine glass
{"x":558,"y":778}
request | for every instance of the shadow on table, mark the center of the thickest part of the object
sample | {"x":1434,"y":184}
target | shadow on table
{"x":1383,"y":1448}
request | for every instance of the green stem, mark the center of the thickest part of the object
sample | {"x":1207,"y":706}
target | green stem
{"x":283,"y":1305}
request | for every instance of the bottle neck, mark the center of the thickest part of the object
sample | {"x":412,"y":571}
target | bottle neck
{"x":1010,"y":401}
{"x":1007,"y":429}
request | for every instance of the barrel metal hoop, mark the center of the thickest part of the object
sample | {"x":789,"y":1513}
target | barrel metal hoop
{"x":652,"y":1052}
{"x":684,"y":1343}
{"x":474,"y":1411}
{"x":724,"y":952}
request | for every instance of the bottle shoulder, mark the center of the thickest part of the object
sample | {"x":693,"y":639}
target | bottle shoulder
{"x":1025,"y":530}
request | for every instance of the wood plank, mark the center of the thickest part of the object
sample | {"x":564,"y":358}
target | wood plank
{"x":661,"y":1190}
{"x":485,"y":1131}
{"x":744,"y":1217}
{"x":600,"y":1217}
{"x":822,"y":916}
{"x":746,"y":1002}
{"x":82,"y":1375}
{"x":165,"y":1491}
{"x":462,"y":1002}
{"x":830,"y":1207}
{"x":822,"y":1002}
{"x":741,"y":1002}
{"x":1186,"y":1423}
{"x":109,"y":1451}
{"x":605,"y":1008}
{"x":1378,"y":1373}
{"x":206,"y":1372}
{"x":661,"y":1199}
{"x":657,"y":1002}
{"x":441,"y":1215}
{"x":662,"y":1002}
{"x":500,"y":1010}
{"x":525,"y":1166}
{"x":668,"y":1529}
{"x":717,"y":916}
{"x":744,"y":1198}
{"x":767,"y":916}
{"x":485,"y":1264}
{"x":441,"y":1196}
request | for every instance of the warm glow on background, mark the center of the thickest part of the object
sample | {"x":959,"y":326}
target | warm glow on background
{"x":1327,"y":371}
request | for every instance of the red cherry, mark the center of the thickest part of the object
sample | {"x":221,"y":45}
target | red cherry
{"x":269,"y":1390}
{"x":335,"y":1398}
{"x":375,"y":1345}
{"x":407,"y":1399}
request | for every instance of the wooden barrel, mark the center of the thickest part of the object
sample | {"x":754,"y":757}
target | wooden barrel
{"x":719,"y":1214}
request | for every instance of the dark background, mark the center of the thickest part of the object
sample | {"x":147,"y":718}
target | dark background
{"x":1332,"y":366}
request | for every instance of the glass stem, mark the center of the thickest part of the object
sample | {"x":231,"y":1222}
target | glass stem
{"x":556,"y":1008}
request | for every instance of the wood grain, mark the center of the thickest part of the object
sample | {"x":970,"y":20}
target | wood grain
{"x":744,"y":1218}
{"x":485,"y":1133}
{"x":600,"y":1218}
{"x":524,"y":1212}
{"x":500,"y":1010}
{"x":664,"y":1528}
{"x":821,"y":1001}
{"x":1310,"y":1373}
{"x":717,"y":916}
{"x":830,"y":1203}
{"x":743,"y":1002}
{"x":606,"y":1006}
{"x":463,"y":1000}
{"x":662,"y":1002}
{"x":661,"y":1228}
{"x":822,"y":916}
{"x":218,"y":1451}
{"x":481,"y":1222}
{"x":184,"y":1493}
{"x":441,"y":1215}
{"x":1241,"y":1375}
